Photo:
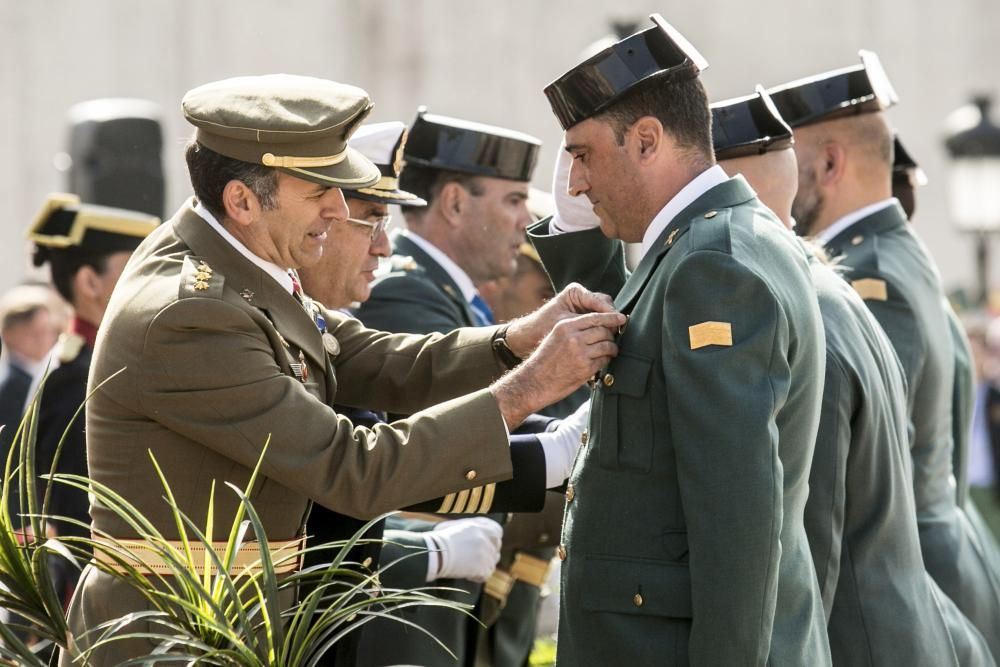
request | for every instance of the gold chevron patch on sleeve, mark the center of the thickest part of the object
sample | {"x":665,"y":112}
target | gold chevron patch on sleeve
{"x":711,"y":333}
{"x":873,"y":289}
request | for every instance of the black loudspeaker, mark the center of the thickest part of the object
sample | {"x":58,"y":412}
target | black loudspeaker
{"x":115,"y":154}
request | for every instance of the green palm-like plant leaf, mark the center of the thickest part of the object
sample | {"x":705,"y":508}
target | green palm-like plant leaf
{"x":206,"y":611}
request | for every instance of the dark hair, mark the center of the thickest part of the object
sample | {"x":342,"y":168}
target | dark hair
{"x":65,"y":262}
{"x":680,"y":106}
{"x":210,"y":171}
{"x":426,"y":182}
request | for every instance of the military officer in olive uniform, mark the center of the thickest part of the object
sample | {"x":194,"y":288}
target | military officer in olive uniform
{"x":844,"y":149}
{"x":223,"y":352}
{"x":85,"y":247}
{"x":683,"y":541}
{"x":475,"y":180}
{"x":880,"y":603}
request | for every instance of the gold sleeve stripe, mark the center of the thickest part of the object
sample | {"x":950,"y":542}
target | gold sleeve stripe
{"x":463,"y":496}
{"x":449,"y":500}
{"x":487,"y":503}
{"x":474,"y":497}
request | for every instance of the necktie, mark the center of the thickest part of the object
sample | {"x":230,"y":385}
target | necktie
{"x":484,"y":316}
{"x":314,"y":312}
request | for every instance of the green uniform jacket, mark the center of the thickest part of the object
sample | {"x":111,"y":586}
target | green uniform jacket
{"x":684,"y":541}
{"x":212,"y":371}
{"x":881,"y":606}
{"x":892,"y":270}
{"x":418,"y":296}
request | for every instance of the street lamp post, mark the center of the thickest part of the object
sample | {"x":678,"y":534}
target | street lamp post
{"x":973,"y":142}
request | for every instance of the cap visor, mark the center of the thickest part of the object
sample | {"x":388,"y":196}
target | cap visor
{"x":397,"y":197}
{"x":353,"y":172}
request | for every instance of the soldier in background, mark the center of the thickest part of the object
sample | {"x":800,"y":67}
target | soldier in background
{"x":29,"y":326}
{"x":844,"y":148}
{"x":475,"y":180}
{"x":86,"y":248}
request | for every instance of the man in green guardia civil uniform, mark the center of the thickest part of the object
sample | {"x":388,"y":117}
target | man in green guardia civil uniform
{"x":881,"y":605}
{"x":845,"y":153}
{"x":683,"y":541}
{"x":474,"y":178}
{"x":221,"y":351}
{"x":907,"y":177}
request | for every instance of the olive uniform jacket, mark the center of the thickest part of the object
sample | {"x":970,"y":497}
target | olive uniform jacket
{"x":892,"y":271}
{"x":217,"y":358}
{"x":683,"y":541}
{"x":418,"y":296}
{"x":881,"y":606}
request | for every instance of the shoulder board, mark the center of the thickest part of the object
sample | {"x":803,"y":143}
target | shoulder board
{"x":199,"y":279}
{"x":403,"y":263}
{"x":68,"y":347}
{"x":711,"y":231}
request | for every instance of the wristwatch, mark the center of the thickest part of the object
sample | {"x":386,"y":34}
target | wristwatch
{"x":502,"y":349}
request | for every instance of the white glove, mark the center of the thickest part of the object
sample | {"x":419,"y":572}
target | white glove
{"x":560,"y":446}
{"x":573,"y":214}
{"x":464,"y":549}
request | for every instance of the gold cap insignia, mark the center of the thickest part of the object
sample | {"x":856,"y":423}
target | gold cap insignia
{"x":873,"y":289}
{"x":711,"y":333}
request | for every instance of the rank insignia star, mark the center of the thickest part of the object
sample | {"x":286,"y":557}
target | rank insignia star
{"x":247,"y":294}
{"x":201,"y":285}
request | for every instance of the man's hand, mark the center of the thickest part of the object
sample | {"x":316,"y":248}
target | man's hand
{"x":467,"y":548}
{"x":575,"y":349}
{"x":573,"y":214}
{"x":525,"y":333}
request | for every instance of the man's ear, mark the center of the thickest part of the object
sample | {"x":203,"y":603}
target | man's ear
{"x":452,"y":202}
{"x":832,"y":163}
{"x":648,"y":137}
{"x":86,"y":283}
{"x":241,"y":204}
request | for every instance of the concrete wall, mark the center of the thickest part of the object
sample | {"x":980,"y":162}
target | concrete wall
{"x":487,"y":61}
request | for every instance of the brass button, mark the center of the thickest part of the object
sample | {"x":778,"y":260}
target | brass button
{"x":471,"y":475}
{"x":609,"y":379}
{"x":570,"y":493}
{"x":366,"y":563}
{"x":711,"y":214}
{"x":637,"y":600}
{"x":561,"y":552}
{"x":857,"y":240}
{"x":584,"y":437}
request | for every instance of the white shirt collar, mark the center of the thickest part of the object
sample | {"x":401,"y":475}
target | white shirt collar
{"x":836,"y":228}
{"x":456,"y":273}
{"x":270,"y":268}
{"x":698,"y":186}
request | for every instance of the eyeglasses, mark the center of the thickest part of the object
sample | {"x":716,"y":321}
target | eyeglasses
{"x":375,"y":228}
